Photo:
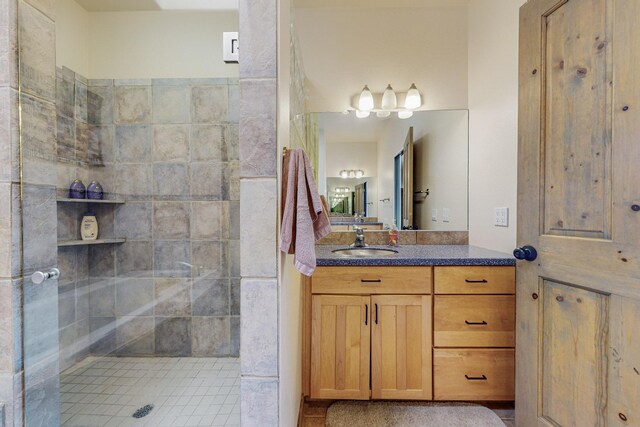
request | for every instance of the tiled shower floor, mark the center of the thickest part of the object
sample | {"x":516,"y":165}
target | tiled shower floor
{"x":106,"y":391}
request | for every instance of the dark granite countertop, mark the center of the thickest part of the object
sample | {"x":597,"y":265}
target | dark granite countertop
{"x":418,"y":255}
{"x":355,"y":223}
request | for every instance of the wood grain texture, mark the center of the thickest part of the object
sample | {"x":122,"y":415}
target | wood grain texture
{"x":451,"y":314}
{"x":451,"y":365}
{"x":306,"y":336}
{"x":401,"y":347}
{"x":392,"y":280}
{"x":474,"y":280}
{"x":340,"y":347}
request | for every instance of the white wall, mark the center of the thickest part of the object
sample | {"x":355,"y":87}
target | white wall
{"x":72,"y":36}
{"x":444,"y":166}
{"x":493,"y":125}
{"x":351,"y":155}
{"x":344,"y":48}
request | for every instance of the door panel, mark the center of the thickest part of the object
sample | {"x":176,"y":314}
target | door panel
{"x":340,"y":347}
{"x":576,"y":355}
{"x":401,"y":347}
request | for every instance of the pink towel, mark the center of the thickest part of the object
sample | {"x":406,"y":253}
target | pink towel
{"x":304,"y":219}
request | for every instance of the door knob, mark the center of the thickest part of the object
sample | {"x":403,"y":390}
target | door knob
{"x":39,"y":277}
{"x":527,"y":253}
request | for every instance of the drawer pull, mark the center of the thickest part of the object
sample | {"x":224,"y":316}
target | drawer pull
{"x":482,"y":378}
{"x":366,"y":314}
{"x":476,"y":281}
{"x":376,"y":314}
{"x":475,"y":323}
{"x":371,"y":280}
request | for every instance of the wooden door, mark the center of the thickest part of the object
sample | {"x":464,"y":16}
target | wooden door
{"x":407,"y":182}
{"x":340,"y":347}
{"x":401,"y":347}
{"x":578,"y":303}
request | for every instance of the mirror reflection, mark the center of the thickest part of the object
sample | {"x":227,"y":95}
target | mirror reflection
{"x":412,"y":173}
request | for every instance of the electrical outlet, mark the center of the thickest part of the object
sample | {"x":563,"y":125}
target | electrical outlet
{"x":501,"y":217}
{"x":445,"y":214}
{"x":434,"y":214}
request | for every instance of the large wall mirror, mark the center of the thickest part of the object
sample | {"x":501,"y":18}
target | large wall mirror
{"x":412,"y":172}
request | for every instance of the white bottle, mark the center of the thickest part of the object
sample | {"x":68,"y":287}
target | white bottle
{"x":89,"y":227}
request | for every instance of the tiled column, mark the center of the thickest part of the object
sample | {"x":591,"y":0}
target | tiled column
{"x":258,"y":214}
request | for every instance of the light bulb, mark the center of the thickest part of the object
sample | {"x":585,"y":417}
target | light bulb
{"x":362,"y":114}
{"x":352,"y":174}
{"x":359,"y":173}
{"x":383,"y":114}
{"x":365,"y":103}
{"x":413,"y":100}
{"x":405,"y":114}
{"x":344,"y":174}
{"x":389,"y":100}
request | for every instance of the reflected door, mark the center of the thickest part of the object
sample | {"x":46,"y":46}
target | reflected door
{"x":578,"y":302}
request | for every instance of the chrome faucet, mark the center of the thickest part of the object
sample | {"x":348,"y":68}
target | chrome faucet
{"x":359,"y":242}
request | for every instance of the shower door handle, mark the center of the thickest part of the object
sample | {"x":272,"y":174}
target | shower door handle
{"x":39,"y":277}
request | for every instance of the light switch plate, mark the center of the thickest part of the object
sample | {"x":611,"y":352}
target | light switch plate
{"x":501,"y":217}
{"x":446,"y":214}
{"x":434,"y":214}
{"x":230,"y":47}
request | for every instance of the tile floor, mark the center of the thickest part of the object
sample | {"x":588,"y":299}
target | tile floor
{"x":106,"y":391}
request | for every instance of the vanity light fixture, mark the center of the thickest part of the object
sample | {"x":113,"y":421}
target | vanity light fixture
{"x":362,"y":114}
{"x":413,"y":99}
{"x":344,"y":174}
{"x":359,"y":173}
{"x":352,"y":173}
{"x":383,"y":114}
{"x":366,"y":100}
{"x":389,"y":100}
{"x":405,"y":114}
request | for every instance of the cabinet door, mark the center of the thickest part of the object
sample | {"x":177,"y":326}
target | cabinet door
{"x":401,"y":347}
{"x":340,"y":347}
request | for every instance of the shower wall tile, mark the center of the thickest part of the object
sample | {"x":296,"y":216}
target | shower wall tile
{"x":209,"y":104}
{"x":209,"y":259}
{"x":258,"y":242}
{"x":206,"y":180}
{"x":105,"y":216}
{"x":207,"y":142}
{"x":172,"y":297}
{"x":39,"y":141}
{"x":134,"y":297}
{"x":82,"y":300}
{"x":100,"y":102}
{"x":132,"y":82}
{"x":39,"y":229}
{"x":82,"y":141}
{"x":207,"y":220}
{"x":231,"y":149}
{"x":210,"y":297}
{"x":133,"y":220}
{"x":37,"y":51}
{"x":173,"y":336}
{"x":102,"y":335}
{"x":234,"y":302}
{"x":102,"y":297}
{"x":66,"y":129}
{"x":234,"y":348}
{"x":132,"y":104}
{"x":133,"y":143}
{"x":258,"y":401}
{"x":171,"y":220}
{"x":258,"y":28}
{"x":135,"y":181}
{"x":171,"y":143}
{"x":258,"y":128}
{"x":135,"y":336}
{"x":171,"y":258}
{"x":102,"y":261}
{"x":66,"y":305}
{"x":47,"y":7}
{"x":171,"y":103}
{"x":9,"y":230}
{"x":9,"y":136}
{"x":102,"y":146}
{"x":231,"y":184}
{"x":211,"y":336}
{"x":65,"y":94}
{"x":134,"y":259}
{"x":259,"y":326}
{"x":234,"y":103}
{"x":81,"y":100}
{"x":171,"y":181}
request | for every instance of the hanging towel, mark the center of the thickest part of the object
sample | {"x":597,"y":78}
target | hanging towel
{"x":304,"y":217}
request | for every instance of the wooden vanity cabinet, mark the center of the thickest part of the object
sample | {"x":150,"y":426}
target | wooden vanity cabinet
{"x":357,"y":317}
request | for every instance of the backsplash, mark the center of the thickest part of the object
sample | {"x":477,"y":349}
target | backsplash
{"x":405,"y":237}
{"x":169,"y":147}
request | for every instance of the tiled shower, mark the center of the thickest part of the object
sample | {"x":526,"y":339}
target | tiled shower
{"x":166,"y":151}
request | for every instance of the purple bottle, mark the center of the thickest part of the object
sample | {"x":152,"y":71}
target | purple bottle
{"x":77,"y":190}
{"x":95,"y":191}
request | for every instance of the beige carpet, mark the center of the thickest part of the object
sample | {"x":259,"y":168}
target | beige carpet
{"x":410,"y":414}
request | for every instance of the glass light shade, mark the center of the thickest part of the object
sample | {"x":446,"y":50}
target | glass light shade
{"x":365,"y":103}
{"x":344,"y":174}
{"x":383,"y":114}
{"x":352,"y":174}
{"x":389,"y":100}
{"x":362,"y":114}
{"x":413,"y":99}
{"x":359,"y":174}
{"x":405,"y":114}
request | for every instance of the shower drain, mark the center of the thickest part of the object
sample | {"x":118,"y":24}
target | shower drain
{"x":143,"y":412}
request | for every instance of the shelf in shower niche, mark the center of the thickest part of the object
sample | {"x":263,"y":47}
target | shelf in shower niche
{"x":105,"y":201}
{"x":89,"y":242}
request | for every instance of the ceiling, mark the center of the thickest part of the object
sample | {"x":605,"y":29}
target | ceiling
{"x":355,"y":4}
{"x":147,"y":5}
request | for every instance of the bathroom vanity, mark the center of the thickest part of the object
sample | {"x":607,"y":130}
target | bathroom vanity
{"x":428,"y":323}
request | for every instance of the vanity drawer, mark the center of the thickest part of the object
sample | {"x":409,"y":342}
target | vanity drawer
{"x":475,"y":280}
{"x":474,"y":374}
{"x":474,"y":321}
{"x":371,"y":280}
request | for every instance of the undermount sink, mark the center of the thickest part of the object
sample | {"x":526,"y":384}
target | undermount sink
{"x":365,"y":252}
